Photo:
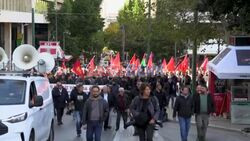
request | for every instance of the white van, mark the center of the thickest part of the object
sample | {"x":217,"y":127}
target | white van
{"x":26,"y":108}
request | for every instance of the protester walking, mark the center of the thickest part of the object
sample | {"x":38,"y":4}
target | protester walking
{"x":184,"y":108}
{"x":108,"y":97}
{"x":121,"y":107}
{"x":94,"y":114}
{"x":61,"y":99}
{"x":145,"y":110}
{"x":162,"y":98}
{"x":78,"y":97}
{"x":203,"y":107}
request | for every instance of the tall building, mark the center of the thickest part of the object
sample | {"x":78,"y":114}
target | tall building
{"x":110,"y":10}
{"x":16,"y":23}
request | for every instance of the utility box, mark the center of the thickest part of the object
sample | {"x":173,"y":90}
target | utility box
{"x":240,"y":105}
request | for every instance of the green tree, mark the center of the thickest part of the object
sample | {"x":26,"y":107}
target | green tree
{"x":133,"y":19}
{"x":234,"y":14}
{"x":82,"y":22}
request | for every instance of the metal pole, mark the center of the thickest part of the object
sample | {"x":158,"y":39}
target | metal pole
{"x":175,"y":52}
{"x":194,"y":53}
{"x":56,"y":18}
{"x":64,"y":41}
{"x":218,"y":51}
{"x":33,"y":23}
{"x":149,"y":27}
{"x":123,"y":42}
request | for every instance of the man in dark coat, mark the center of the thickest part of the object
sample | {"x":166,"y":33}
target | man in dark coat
{"x":60,"y":98}
{"x":121,"y":107}
{"x":108,"y":97}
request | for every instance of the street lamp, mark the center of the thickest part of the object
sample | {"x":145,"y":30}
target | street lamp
{"x":64,"y":39}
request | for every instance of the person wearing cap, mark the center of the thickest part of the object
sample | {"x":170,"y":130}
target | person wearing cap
{"x":121,"y":107}
{"x":78,"y":98}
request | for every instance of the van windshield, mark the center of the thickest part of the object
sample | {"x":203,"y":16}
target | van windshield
{"x":12,"y":92}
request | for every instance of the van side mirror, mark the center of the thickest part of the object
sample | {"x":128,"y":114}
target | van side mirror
{"x":38,"y":101}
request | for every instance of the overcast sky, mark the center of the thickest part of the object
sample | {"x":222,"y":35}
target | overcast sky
{"x":110,"y":7}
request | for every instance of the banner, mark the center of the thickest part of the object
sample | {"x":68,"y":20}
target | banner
{"x":70,"y":87}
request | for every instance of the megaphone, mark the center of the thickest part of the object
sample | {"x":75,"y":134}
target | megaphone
{"x":3,"y":58}
{"x":25,"y":57}
{"x":46,"y":62}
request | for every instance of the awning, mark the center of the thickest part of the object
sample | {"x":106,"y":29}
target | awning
{"x":232,"y":63}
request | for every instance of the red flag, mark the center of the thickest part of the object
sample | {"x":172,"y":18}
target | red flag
{"x":164,"y":65}
{"x":203,"y":66}
{"x":171,"y":65}
{"x":150,"y":61}
{"x":91,"y":65}
{"x":184,"y":65}
{"x":137,"y":64}
{"x":77,"y":69}
{"x":117,"y":61}
{"x":133,"y":60}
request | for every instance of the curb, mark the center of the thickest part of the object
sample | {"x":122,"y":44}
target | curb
{"x":220,"y":127}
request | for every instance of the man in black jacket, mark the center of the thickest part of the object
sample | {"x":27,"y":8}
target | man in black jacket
{"x":121,"y":107}
{"x":162,"y":98}
{"x":78,"y":97}
{"x":203,"y":107}
{"x":60,"y":98}
{"x":184,"y":108}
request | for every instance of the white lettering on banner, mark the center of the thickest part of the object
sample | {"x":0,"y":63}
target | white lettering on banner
{"x":70,"y":87}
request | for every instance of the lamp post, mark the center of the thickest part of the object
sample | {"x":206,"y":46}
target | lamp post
{"x":33,"y":22}
{"x":123,"y":42}
{"x":196,"y":22}
{"x":64,"y":39}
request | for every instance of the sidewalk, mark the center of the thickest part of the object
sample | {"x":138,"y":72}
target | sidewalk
{"x":219,"y":123}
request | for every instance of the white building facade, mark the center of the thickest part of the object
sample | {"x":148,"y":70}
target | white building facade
{"x":16,"y":22}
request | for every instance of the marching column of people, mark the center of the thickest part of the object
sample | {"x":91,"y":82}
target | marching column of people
{"x":145,"y":104}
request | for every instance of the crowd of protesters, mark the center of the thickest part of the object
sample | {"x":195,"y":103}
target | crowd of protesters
{"x":141,"y":102}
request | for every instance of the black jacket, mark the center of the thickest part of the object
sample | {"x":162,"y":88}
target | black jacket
{"x":162,"y":98}
{"x":60,"y":99}
{"x":79,"y":99}
{"x":210,"y":104}
{"x":153,"y":107}
{"x":183,"y":106}
{"x":110,"y":99}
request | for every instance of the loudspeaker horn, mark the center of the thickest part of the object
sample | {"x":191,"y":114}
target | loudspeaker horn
{"x":46,"y":63}
{"x":25,"y":57}
{"x":3,"y":58}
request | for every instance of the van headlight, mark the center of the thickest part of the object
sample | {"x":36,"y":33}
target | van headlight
{"x":17,"y":118}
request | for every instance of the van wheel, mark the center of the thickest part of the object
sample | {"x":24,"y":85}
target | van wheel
{"x":32,"y":136}
{"x":51,"y":133}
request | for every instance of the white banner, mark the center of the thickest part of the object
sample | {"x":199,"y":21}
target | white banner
{"x":70,"y":87}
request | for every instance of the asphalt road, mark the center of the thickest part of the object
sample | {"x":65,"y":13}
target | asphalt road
{"x":170,"y":132}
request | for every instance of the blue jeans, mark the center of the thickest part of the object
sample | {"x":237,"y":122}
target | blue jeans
{"x":78,"y":120}
{"x":94,"y":128}
{"x":184,"y":127}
